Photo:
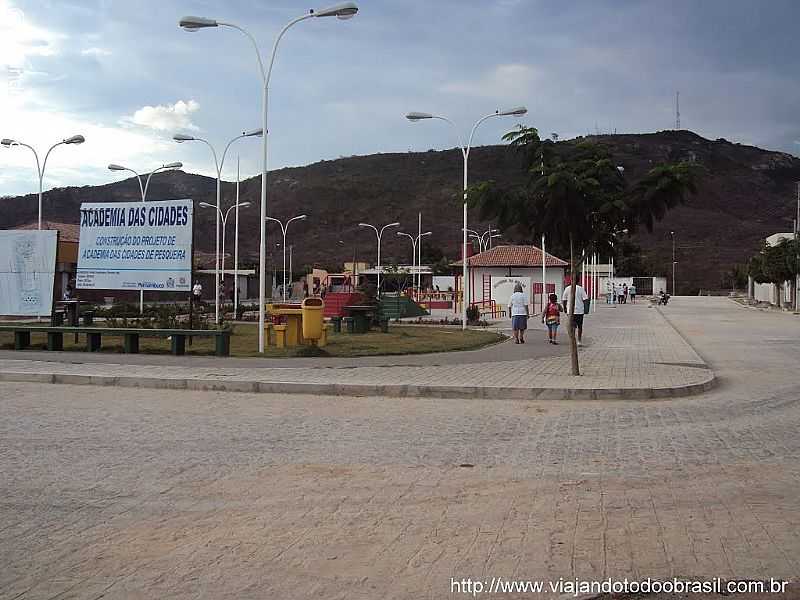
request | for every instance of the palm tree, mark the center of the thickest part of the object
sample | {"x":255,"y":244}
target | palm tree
{"x":578,"y":197}
{"x":663,"y":188}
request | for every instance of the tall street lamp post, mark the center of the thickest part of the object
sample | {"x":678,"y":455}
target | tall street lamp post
{"x":379,"y":234}
{"x":484,"y":239}
{"x":218,"y":164}
{"x":284,"y":229}
{"x":143,"y":192}
{"x":224,"y":218}
{"x":341,"y":11}
{"x":414,"y":241}
{"x":672,"y":233}
{"x":419,"y":116}
{"x":7,"y":143}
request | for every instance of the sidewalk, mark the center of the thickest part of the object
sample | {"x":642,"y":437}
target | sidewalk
{"x":630,"y":352}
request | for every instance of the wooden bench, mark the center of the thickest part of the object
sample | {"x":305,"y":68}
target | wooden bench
{"x":94,"y":335}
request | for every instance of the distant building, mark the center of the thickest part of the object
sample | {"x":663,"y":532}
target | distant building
{"x":492,"y":274}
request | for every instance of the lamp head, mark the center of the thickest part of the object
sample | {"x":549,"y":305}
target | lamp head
{"x":194,"y":23}
{"x":75,"y":139}
{"x":395,"y":224}
{"x":207,"y":205}
{"x":418,"y":116}
{"x":301,"y":217}
{"x":7,"y":142}
{"x":345,"y":10}
{"x":182,"y":137}
{"x":244,"y":204}
{"x":253,"y":133}
{"x":427,"y":233}
{"x":364,"y":225}
{"x":516,"y":111}
{"x":173,"y":165}
{"x":113,"y":167}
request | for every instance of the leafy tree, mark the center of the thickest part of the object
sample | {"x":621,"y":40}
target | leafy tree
{"x":578,"y":198}
{"x":776,"y":264}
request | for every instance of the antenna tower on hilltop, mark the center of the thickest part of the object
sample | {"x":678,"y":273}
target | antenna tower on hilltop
{"x":677,"y":110}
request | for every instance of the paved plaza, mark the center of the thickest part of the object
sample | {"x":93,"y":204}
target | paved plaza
{"x":631,"y":351}
{"x":120,"y":492}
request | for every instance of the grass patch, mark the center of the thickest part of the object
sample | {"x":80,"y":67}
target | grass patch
{"x":244,"y":342}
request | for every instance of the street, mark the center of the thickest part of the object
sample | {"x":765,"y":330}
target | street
{"x":143,"y":493}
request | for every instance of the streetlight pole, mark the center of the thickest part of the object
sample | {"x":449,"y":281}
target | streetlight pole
{"x":797,"y":254}
{"x":414,"y":241}
{"x":672,"y":233}
{"x":224,"y":218}
{"x":236,"y":247}
{"x":379,"y":234}
{"x":418,"y":116}
{"x":218,"y":164}
{"x":143,"y":191}
{"x":340,"y":11}
{"x":7,"y":143}
{"x":284,"y":229}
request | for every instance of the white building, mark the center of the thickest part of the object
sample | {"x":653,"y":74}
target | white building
{"x":492,"y":275}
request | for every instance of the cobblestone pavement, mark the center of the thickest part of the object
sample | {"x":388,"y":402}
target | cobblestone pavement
{"x":630,"y":347}
{"x":126,"y":493}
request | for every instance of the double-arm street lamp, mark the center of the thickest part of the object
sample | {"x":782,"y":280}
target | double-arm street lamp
{"x":224,"y":218}
{"x":284,"y":229}
{"x":415,"y":239}
{"x":484,"y":239}
{"x":341,"y":11}
{"x":218,"y":164}
{"x":143,"y":192}
{"x":7,"y":143}
{"x":419,"y":116}
{"x":379,"y":234}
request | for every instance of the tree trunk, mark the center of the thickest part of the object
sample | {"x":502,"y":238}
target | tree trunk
{"x":573,"y":342}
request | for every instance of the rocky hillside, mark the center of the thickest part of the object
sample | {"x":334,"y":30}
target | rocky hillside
{"x":746,"y":194}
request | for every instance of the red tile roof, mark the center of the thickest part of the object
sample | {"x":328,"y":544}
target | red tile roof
{"x":513,"y":256}
{"x":67,"y":232}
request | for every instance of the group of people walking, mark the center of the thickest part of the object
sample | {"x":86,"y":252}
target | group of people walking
{"x":551,"y":315}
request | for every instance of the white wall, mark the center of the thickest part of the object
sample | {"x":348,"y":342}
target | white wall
{"x":555,"y":275}
{"x":769,"y":292}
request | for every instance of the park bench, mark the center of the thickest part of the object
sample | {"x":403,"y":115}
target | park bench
{"x":94,"y":335}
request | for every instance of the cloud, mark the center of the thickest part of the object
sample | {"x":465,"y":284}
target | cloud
{"x":96,"y":52}
{"x":165,"y":117}
{"x":508,"y":82}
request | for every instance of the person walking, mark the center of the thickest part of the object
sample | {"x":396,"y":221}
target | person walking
{"x":576,"y":318}
{"x":551,"y":316}
{"x":632,"y":292}
{"x":518,"y":303}
{"x":624,"y":293}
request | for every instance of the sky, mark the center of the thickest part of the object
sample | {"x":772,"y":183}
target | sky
{"x":125,"y":76}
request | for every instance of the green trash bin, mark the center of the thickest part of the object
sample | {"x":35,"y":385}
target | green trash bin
{"x":360,"y":323}
{"x":349,"y":326}
{"x":337,"y":324}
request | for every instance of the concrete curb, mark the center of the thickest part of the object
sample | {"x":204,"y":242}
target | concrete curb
{"x":392,"y":391}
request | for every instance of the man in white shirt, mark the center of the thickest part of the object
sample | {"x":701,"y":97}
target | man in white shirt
{"x":576,"y":320}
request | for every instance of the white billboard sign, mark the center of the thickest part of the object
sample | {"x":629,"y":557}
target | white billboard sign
{"x":27,"y":271}
{"x":136,"y":246}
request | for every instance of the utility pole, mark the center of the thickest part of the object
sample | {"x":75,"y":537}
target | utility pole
{"x":672,"y":233}
{"x":677,"y":112}
{"x":797,"y":253}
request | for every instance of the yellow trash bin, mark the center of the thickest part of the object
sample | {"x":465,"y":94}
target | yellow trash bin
{"x":312,"y":318}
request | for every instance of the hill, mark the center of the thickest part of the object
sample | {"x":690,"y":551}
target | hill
{"x":746,"y":193}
